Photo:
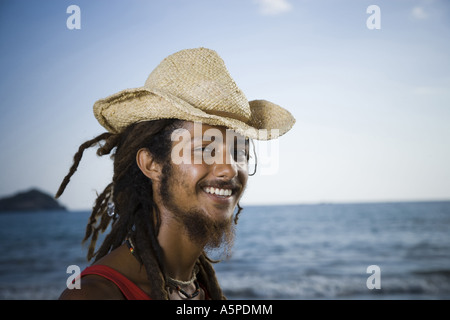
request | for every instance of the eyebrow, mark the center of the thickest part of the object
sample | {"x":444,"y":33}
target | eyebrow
{"x":204,"y":138}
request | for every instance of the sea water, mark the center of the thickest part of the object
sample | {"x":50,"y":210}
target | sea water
{"x":318,"y":251}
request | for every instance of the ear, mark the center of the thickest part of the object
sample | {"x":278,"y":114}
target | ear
{"x":147,"y":164}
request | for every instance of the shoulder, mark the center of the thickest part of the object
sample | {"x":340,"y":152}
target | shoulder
{"x":93,"y":287}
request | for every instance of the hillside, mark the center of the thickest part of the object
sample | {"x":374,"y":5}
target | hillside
{"x":32,"y":200}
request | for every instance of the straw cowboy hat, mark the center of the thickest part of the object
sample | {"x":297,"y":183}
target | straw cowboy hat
{"x":193,"y":85}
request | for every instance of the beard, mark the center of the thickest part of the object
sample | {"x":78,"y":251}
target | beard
{"x":201,"y":229}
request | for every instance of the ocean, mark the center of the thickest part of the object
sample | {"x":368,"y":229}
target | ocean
{"x":322,"y":251}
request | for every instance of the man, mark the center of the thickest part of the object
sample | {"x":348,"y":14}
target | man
{"x":181,"y":151}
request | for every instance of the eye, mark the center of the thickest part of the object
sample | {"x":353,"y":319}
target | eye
{"x":204,"y":151}
{"x":241,"y":151}
{"x":240,"y":155}
{"x":209,"y":151}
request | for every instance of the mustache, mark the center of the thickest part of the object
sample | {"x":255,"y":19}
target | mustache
{"x":220,"y":184}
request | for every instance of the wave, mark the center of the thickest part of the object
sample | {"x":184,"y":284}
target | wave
{"x":434,"y":273}
{"x":30,"y":292}
{"x":428,"y":285}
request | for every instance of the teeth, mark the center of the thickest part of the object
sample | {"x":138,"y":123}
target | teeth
{"x":219,"y":192}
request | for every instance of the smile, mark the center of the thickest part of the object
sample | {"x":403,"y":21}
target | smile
{"x":218,"y":191}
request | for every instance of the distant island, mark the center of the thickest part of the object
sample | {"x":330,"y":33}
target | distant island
{"x":32,"y":200}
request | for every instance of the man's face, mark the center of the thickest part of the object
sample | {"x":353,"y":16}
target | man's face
{"x":203,"y":190}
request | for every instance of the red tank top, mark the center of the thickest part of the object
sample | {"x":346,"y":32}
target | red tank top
{"x":130,"y":290}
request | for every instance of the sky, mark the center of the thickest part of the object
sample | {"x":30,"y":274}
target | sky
{"x":372,"y":104}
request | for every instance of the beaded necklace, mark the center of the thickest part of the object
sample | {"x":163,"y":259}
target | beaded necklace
{"x":174,"y":283}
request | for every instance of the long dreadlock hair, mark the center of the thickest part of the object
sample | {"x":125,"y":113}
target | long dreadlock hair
{"x":136,"y":214}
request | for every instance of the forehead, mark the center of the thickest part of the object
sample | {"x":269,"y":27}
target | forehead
{"x":189,"y":125}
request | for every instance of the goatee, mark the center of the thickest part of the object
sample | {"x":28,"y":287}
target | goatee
{"x":201,"y":229}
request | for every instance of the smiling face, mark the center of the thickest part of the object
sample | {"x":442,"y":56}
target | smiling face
{"x":203,"y":190}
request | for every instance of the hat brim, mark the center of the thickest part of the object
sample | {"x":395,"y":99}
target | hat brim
{"x":116,"y":112}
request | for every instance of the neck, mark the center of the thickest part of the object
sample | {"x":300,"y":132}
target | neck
{"x":180,"y":253}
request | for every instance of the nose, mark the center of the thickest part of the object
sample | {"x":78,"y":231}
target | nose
{"x":226,"y":169}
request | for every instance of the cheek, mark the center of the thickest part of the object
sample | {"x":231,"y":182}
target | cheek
{"x":187,"y":176}
{"x":243,"y":174}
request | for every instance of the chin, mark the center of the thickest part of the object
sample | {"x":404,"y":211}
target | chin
{"x":220,"y":214}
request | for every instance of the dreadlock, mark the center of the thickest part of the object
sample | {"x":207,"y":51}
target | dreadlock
{"x":136,"y":214}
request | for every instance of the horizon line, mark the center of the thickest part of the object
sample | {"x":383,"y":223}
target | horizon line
{"x":314,"y":203}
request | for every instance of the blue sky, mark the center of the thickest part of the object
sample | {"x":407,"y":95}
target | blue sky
{"x":372,"y":106}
